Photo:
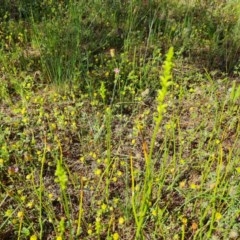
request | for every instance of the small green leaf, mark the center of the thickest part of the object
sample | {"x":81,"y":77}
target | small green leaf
{"x":238,"y":170}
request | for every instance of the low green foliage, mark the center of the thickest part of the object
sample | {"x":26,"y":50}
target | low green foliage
{"x":105,"y":134}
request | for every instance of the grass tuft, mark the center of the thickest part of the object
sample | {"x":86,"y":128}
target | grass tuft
{"x":102,"y":136}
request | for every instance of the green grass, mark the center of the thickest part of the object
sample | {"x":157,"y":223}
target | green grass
{"x":119,"y":120}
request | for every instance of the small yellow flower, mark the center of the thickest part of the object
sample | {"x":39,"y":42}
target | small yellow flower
{"x":29,"y":176}
{"x":122,"y":163}
{"x":104,"y":207}
{"x":194,"y":186}
{"x":182,"y":161}
{"x":119,"y":173}
{"x":121,"y":220}
{"x":33,"y":237}
{"x":59,"y":238}
{"x":182,"y":184}
{"x":112,"y":52}
{"x":98,"y":172}
{"x":115,"y":236}
{"x":184,"y":220}
{"x":25,"y":120}
{"x":114,"y":179}
{"x":30,"y":204}
{"x":20,"y":214}
{"x":89,"y":231}
{"x":23,"y":111}
{"x":53,"y":126}
{"x":191,"y":90}
{"x":98,"y":219}
{"x":50,"y":196}
{"x":218,"y":216}
{"x":137,"y":187}
{"x":23,"y":198}
{"x":82,"y":159}
{"x":154,"y":212}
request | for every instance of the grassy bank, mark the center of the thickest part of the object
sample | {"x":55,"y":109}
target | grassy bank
{"x":119,"y":120}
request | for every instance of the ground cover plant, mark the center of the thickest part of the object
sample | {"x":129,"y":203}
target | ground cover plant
{"x":119,"y":120}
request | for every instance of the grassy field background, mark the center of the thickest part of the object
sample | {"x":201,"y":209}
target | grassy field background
{"x":119,"y":120}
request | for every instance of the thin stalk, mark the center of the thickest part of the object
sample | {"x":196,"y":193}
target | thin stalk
{"x":41,"y":189}
{"x":161,"y":107}
{"x":80,"y":208}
